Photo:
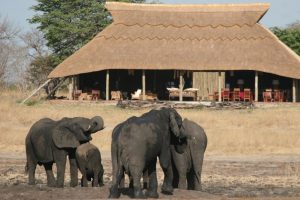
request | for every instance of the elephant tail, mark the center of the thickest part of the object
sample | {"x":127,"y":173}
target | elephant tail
{"x":26,"y":168}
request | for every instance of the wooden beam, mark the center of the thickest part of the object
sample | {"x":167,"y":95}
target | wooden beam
{"x":220,"y":87}
{"x":56,"y":87}
{"x":35,"y":91}
{"x":107,"y":86}
{"x":144,"y":85}
{"x":180,"y":86}
{"x":256,"y":87}
{"x":294,"y":90}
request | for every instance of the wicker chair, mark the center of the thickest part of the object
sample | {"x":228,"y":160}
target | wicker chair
{"x":226,"y":94}
{"x":247,"y":94}
{"x":267,"y":95}
{"x":236,"y":94}
{"x":76,"y":94}
{"x":116,"y":95}
{"x":95,"y":94}
{"x":278,"y":96}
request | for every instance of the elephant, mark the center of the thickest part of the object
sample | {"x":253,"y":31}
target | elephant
{"x":187,"y":156}
{"x":50,"y":141}
{"x":88,"y":159}
{"x":136,"y":144}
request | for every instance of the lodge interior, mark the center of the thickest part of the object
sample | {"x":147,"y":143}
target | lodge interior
{"x":128,"y":81}
{"x":157,"y":82}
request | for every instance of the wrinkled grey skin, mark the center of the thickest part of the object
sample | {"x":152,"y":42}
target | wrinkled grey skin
{"x":187,"y":157}
{"x":89,"y":162}
{"x":136,"y":144}
{"x":50,"y":141}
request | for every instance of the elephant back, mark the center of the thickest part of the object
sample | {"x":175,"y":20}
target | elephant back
{"x":40,"y":136}
{"x":196,"y":134}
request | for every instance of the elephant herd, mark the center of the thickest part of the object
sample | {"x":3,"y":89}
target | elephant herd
{"x":136,"y":144}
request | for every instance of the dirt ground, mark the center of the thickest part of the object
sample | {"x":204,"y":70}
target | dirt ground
{"x":251,"y":153}
{"x":224,"y":177}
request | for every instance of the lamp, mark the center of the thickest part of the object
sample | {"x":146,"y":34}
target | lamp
{"x":240,"y":81}
{"x":275,"y":82}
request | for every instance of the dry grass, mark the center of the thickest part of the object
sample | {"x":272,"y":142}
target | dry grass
{"x":259,"y":131}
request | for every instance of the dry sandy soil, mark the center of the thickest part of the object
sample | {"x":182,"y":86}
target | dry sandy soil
{"x":251,"y":153}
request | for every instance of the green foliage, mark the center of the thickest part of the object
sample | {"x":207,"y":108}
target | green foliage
{"x":31,"y":102}
{"x":39,"y":69}
{"x":290,"y":36}
{"x":69,"y":24}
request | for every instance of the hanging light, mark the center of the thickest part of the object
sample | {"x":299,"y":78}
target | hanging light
{"x":275,"y":82}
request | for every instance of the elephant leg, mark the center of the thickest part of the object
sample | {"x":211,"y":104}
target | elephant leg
{"x":180,"y":165}
{"x":100,"y":176}
{"x":197,"y":181}
{"x":31,"y":162}
{"x":146,"y":179}
{"x":151,"y":172}
{"x":165,"y":163}
{"x":197,"y":157}
{"x":73,"y":170}
{"x":191,"y":180}
{"x":61,"y":167}
{"x":175,"y":175}
{"x":50,"y":176}
{"x":130,"y":182}
{"x":84,"y":181}
{"x":31,"y":166}
{"x":81,"y":166}
{"x":117,"y":172}
{"x":182,"y":180}
{"x":122,"y":181}
{"x":136,"y":173}
{"x":95,"y":179}
{"x":118,"y":176}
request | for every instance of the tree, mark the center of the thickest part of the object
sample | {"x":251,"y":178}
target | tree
{"x":10,"y":52}
{"x":69,"y":24}
{"x":290,"y":36}
{"x":39,"y":69}
{"x":42,"y":62}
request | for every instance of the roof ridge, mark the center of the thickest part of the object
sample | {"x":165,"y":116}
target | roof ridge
{"x":186,"y":25}
{"x":187,"y":7}
{"x":183,"y":39}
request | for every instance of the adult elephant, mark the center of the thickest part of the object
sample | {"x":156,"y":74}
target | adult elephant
{"x":187,"y":156}
{"x":136,"y":144}
{"x":50,"y":141}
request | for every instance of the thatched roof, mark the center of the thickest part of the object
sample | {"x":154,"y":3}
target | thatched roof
{"x":184,"y":37}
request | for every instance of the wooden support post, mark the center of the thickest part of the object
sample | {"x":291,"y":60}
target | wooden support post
{"x":256,"y":87}
{"x":294,"y":90}
{"x":219,"y":88}
{"x":35,"y":91}
{"x":56,"y":87}
{"x":180,"y":86}
{"x":143,"y":85}
{"x":107,"y":86}
{"x":71,"y":88}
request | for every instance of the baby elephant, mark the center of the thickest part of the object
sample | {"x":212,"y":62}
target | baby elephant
{"x":187,"y":156}
{"x":89,"y":162}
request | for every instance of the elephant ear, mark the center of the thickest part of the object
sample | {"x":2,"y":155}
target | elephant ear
{"x":64,"y":138}
{"x":181,"y":145}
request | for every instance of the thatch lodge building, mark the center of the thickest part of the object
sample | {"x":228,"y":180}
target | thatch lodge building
{"x":155,"y":47}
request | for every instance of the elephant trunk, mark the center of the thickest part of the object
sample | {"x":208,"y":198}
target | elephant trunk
{"x":174,"y":125}
{"x":97,"y":124}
